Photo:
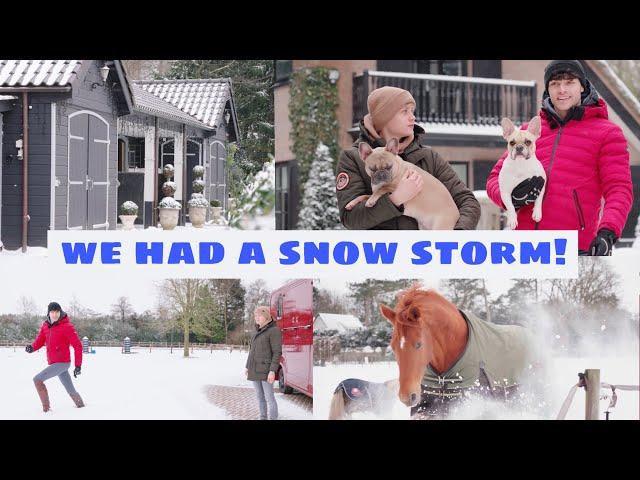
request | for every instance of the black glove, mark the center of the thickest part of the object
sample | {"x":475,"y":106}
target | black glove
{"x":76,"y":372}
{"x":603,"y":243}
{"x":526,"y":192}
{"x":29,"y":349}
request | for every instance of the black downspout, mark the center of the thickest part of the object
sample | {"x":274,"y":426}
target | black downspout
{"x":25,"y":169}
{"x":154,"y":205}
{"x":184,"y":175}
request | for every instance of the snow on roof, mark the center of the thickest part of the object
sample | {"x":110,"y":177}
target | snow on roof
{"x":202,"y":100}
{"x":147,"y":102}
{"x":341,"y":323}
{"x":37,"y":73}
{"x":7,"y":97}
{"x":621,"y":86}
{"x":462,"y":129}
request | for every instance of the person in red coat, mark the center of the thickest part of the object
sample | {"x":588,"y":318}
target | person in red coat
{"x":58,"y":334}
{"x":585,"y":156}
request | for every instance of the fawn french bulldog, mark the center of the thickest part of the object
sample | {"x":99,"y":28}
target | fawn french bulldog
{"x":433,"y":207}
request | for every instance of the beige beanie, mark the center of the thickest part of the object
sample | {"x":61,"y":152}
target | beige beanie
{"x":384,"y":102}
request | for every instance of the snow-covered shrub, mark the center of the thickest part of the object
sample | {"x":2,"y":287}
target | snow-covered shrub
{"x":198,"y":200}
{"x":129,"y":208}
{"x":198,"y":171}
{"x":169,"y":202}
{"x":198,"y":186}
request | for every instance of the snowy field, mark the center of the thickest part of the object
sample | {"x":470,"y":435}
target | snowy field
{"x":616,"y":370}
{"x":142,"y":385}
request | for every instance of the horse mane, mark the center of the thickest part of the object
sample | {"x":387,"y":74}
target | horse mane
{"x":416,"y":306}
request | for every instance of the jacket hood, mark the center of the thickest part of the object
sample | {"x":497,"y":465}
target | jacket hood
{"x":365,"y":136}
{"x":64,"y":318}
{"x":592,"y":106}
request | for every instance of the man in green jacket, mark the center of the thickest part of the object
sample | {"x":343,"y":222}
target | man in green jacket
{"x":391,"y":115}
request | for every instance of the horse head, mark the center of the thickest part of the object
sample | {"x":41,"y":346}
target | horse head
{"x":422,"y":321}
{"x":410,"y":343}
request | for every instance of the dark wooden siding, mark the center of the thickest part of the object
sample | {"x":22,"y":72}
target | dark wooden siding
{"x":39,"y":172}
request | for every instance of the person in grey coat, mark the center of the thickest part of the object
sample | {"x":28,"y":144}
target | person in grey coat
{"x":263,"y":361}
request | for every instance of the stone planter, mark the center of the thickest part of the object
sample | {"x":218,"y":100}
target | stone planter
{"x":197,"y":216}
{"x":169,"y":218}
{"x":128,"y":221}
{"x":216,"y":212}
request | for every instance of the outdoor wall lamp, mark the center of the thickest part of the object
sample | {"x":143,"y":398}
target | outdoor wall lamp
{"x":227,"y":116}
{"x":19,"y":156}
{"x":104,"y":74}
{"x":334,"y":75}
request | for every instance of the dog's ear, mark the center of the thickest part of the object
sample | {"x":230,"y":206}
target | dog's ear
{"x":364,"y":150}
{"x":534,"y":126}
{"x":507,"y":128}
{"x":392,"y":146}
{"x":388,"y":313}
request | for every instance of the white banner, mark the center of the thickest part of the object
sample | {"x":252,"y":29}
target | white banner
{"x":351,"y":254}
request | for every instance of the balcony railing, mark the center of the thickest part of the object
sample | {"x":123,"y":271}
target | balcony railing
{"x":453,"y":99}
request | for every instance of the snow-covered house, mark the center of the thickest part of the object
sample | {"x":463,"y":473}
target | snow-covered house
{"x":334,"y":321}
{"x":58,"y":138}
{"x":95,"y":139}
{"x":181,"y":122}
{"x":459,"y":103}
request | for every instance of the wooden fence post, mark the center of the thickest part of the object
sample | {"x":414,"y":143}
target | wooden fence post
{"x":592,"y":389}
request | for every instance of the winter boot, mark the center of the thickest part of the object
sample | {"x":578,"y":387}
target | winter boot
{"x":77,"y":399}
{"x":43,"y":394}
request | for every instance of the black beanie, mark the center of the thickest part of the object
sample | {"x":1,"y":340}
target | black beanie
{"x":54,"y":306}
{"x":573,"y":67}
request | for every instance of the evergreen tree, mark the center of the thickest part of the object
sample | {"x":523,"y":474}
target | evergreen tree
{"x":320,"y":205}
{"x":370,"y":293}
{"x":251,"y":82}
{"x":230,"y":297}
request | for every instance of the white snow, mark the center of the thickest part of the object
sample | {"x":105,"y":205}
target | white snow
{"x":462,"y":129}
{"x":622,"y":87}
{"x":334,"y":321}
{"x":141,"y":385}
{"x":564,"y":374}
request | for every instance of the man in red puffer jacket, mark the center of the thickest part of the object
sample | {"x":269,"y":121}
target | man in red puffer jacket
{"x":58,"y":333}
{"x":586,"y":160}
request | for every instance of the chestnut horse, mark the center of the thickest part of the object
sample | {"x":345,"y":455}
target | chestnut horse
{"x":427,"y":330}
{"x":442,"y":352}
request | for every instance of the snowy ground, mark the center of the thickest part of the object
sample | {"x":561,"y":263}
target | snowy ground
{"x":143,"y":385}
{"x":617,"y":370}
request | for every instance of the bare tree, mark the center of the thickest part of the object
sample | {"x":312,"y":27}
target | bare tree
{"x":122,"y":309}
{"x":257,"y":294}
{"x":183,"y":299}
{"x":27,"y":306}
{"x":596,"y":284}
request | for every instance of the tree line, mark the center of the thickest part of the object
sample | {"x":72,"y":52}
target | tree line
{"x":187,"y":310}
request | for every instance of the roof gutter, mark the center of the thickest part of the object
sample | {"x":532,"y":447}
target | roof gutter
{"x":126,"y":88}
{"x":35,"y":89}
